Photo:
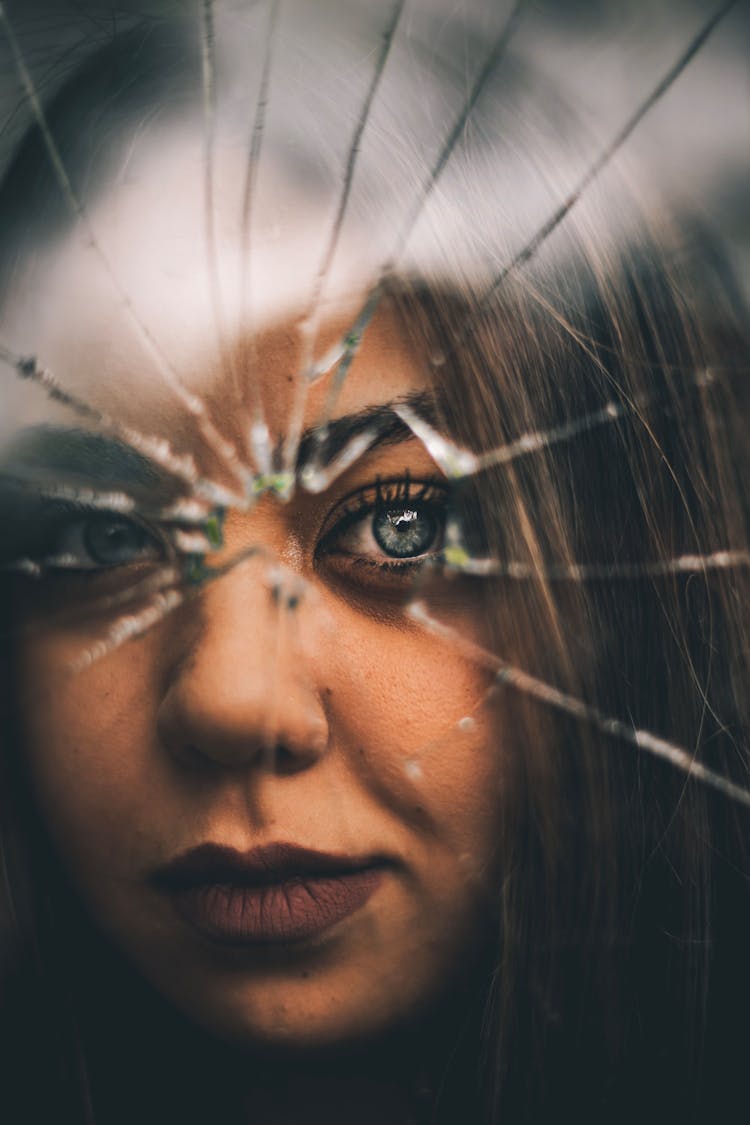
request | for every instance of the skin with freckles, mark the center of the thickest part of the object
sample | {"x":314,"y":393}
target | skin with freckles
{"x":290,"y":701}
{"x":161,"y":746}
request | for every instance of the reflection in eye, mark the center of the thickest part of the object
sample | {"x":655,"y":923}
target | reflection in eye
{"x":401,"y":520}
{"x":405,"y":532}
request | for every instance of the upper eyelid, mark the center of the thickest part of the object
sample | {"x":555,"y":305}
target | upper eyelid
{"x":365,"y":498}
{"x":371,"y":491}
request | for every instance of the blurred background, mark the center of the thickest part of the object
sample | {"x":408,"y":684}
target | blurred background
{"x":573,"y":73}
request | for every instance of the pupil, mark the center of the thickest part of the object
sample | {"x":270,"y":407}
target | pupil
{"x":112,"y":542}
{"x":404,"y":532}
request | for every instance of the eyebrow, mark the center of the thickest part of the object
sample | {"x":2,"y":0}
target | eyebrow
{"x":44,"y":453}
{"x":326,"y":442}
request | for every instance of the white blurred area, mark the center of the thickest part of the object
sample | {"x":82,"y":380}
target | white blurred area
{"x":572,"y":75}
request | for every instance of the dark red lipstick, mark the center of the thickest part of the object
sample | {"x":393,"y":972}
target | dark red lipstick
{"x":275,"y":894}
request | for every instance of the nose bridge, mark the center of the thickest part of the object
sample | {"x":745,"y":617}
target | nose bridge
{"x":242,"y":684}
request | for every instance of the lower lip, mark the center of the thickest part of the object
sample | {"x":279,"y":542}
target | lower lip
{"x":295,"y":910}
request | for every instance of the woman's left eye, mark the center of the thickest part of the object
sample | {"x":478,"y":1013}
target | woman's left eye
{"x":406,"y":533}
{"x":102,"y":541}
{"x":397,"y":524}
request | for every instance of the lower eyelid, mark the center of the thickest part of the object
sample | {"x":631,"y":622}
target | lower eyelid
{"x":377,"y":573}
{"x":392,"y":492}
{"x":392,"y":565}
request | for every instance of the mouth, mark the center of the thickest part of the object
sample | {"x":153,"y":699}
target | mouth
{"x":277,"y":894}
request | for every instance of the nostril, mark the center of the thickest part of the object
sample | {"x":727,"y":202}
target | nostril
{"x":205,"y":731}
{"x":283,"y":761}
{"x":272,"y":756}
{"x":191,"y":758}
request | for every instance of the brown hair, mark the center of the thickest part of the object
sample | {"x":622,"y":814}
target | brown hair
{"x":621,"y":872}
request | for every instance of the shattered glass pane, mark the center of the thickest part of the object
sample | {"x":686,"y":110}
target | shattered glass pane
{"x":374,"y":430}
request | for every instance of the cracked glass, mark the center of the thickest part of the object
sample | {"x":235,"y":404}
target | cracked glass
{"x":372,"y":472}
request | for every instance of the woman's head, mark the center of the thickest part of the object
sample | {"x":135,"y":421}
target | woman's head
{"x":314,"y":717}
{"x":266,"y":801}
{"x":288,"y":703}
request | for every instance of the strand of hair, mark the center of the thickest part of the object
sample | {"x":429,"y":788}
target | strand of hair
{"x":457,"y":461}
{"x":526,"y":684}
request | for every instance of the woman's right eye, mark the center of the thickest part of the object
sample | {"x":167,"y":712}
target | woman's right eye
{"x":102,"y":542}
{"x":387,"y":531}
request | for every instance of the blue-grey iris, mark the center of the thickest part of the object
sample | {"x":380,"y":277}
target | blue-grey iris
{"x":116,"y":542}
{"x":405,"y":532}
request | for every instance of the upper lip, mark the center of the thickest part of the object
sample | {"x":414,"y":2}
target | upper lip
{"x":273,"y":863}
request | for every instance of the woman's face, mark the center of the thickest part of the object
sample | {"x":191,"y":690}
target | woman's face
{"x":267,"y":799}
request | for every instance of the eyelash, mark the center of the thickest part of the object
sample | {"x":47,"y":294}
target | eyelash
{"x":428,"y":501}
{"x":430,"y":498}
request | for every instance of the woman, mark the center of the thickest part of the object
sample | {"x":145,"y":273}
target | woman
{"x":315,"y":805}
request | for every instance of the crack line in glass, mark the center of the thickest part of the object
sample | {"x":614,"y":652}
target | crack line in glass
{"x":352,"y":339}
{"x":607,"y":154}
{"x":259,"y":439}
{"x":156,"y":448}
{"x":192,"y":403}
{"x":552,"y":697}
{"x":311,"y":319}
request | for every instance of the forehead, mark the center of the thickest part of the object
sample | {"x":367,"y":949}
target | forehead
{"x":183,"y":275}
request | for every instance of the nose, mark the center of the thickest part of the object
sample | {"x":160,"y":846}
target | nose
{"x":240,"y":692}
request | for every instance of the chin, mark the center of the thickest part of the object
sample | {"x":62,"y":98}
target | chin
{"x":294,"y":1021}
{"x":299,"y":1004}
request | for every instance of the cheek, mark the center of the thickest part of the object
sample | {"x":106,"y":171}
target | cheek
{"x":410,"y":714}
{"x":415,"y":721}
{"x":89,"y":743}
{"x":411,"y":772}
{"x":426,"y":732}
